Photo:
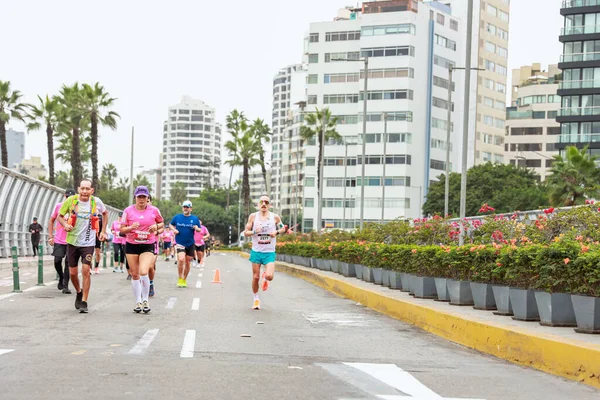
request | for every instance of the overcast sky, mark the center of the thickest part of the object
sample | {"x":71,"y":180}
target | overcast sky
{"x":149,"y":53}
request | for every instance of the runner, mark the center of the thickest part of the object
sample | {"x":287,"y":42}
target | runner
{"x":59,"y":242}
{"x":199,"y":238}
{"x":263,"y":226}
{"x":82,"y":224}
{"x":118,"y":244}
{"x":167,"y":238}
{"x":98,"y":252}
{"x":208,"y":245}
{"x":140,"y":222}
{"x":35,"y":228}
{"x":184,"y":225}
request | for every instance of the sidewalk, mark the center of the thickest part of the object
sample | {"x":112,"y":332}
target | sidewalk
{"x":25,"y":262}
{"x":559,"y":351}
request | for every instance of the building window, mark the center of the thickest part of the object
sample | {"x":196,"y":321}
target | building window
{"x":340,"y":98}
{"x":313,"y":58}
{"x":388,"y":51}
{"x":311,"y":99}
{"x":454,"y":25}
{"x":309,"y":202}
{"x":310,"y":161}
{"x":526,"y":131}
{"x":341,"y":78}
{"x":387,"y":95}
{"x":539,"y":115}
{"x":440,"y":19}
{"x":443,"y":62}
{"x":440,"y":103}
{"x":491,"y":47}
{"x":445,"y":42}
{"x":312,"y":79}
{"x":436,"y":164}
{"x":309,"y":181}
{"x":314,"y":38}
{"x":388,"y":30}
{"x":441,"y":82}
{"x":342,"y":36}
{"x":503,"y":16}
{"x":351,"y":55}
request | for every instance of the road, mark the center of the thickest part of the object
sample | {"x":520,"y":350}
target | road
{"x":310,"y":344}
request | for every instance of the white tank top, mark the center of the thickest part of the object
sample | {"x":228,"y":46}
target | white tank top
{"x":261,"y":241}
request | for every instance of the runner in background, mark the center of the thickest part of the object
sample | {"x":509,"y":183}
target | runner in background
{"x":167,"y":239}
{"x":98,"y":252}
{"x":200,"y":238}
{"x":118,"y":244}
{"x":57,"y":237}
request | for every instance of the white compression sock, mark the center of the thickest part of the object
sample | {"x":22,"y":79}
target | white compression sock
{"x":255,"y":296}
{"x":145,"y":280}
{"x":137,"y":290}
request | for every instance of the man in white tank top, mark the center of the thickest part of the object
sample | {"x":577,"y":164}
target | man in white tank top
{"x":263,"y":226}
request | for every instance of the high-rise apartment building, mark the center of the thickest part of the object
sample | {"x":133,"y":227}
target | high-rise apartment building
{"x":409,"y":46}
{"x":15,"y":143}
{"x":531,"y":128}
{"x":490,"y":53}
{"x":257,"y":185}
{"x":289,"y":92}
{"x":579,"y":116}
{"x":191,"y":147}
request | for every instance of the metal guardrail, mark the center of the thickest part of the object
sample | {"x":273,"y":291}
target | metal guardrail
{"x":21,"y":199}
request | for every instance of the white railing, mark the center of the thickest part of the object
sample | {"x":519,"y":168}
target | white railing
{"x":586,"y":84}
{"x":580,"y":30}
{"x":578,"y":111}
{"x":578,"y":57}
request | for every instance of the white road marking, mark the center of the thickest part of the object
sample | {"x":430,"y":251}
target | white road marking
{"x":6,"y":296}
{"x":27,"y":274}
{"x":200,"y":275}
{"x":189,"y":343}
{"x":343,"y":319}
{"x":8,"y":277}
{"x":32,"y":288}
{"x":4,"y":351}
{"x":144,"y":342}
{"x":171,"y":303}
{"x":196,"y":304}
{"x":198,"y":284}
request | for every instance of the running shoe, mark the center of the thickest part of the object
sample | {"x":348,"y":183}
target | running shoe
{"x":96,"y":270}
{"x":60,"y":285}
{"x":183,"y":283}
{"x":265,"y":282}
{"x":146,"y":307}
{"x":66,"y":290}
{"x":179,"y":282}
{"x":138,"y":308}
{"x":151,"y":293}
{"x":83,"y":308}
{"x":128,"y":277}
{"x":78,"y":300}
{"x":256,"y":305}
{"x":116,"y":269}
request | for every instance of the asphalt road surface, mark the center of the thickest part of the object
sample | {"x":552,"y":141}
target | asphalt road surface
{"x":205,"y":342}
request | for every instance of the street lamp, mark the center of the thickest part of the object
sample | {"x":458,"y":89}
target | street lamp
{"x":385,"y":117}
{"x":448,"y":130}
{"x":346,"y":143}
{"x":364,"y":147}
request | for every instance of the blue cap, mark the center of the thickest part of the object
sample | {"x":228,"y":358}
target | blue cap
{"x":187,"y":203}
{"x":141,"y":191}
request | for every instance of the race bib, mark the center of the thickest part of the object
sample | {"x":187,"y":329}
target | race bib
{"x":264,"y":238}
{"x":141,"y":236}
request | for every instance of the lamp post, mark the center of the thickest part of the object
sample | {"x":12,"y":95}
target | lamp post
{"x":345,"y":180}
{"x":384,"y":163}
{"x":131,"y":168}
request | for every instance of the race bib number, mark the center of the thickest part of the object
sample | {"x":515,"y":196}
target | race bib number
{"x":141,"y":236}
{"x":264,"y":238}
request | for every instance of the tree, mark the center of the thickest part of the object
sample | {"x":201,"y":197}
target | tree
{"x":11,"y":107}
{"x":141,"y":180}
{"x":64,"y":150}
{"x":96,"y":105}
{"x":322,"y":126}
{"x":574,"y":177}
{"x":505,"y":187}
{"x":64,"y":180}
{"x":218,"y":196}
{"x":47,"y":113}
{"x":236,"y":124}
{"x":109,"y":174}
{"x":262,"y":133}
{"x":71,"y":120}
{"x":178,"y":193}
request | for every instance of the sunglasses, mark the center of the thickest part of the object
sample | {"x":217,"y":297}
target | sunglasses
{"x":264,"y":202}
{"x":186,"y":206}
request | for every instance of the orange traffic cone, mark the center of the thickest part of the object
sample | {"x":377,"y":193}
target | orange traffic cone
{"x":217,"y":277}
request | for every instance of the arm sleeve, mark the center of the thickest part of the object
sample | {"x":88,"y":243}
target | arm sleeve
{"x":65,"y":207}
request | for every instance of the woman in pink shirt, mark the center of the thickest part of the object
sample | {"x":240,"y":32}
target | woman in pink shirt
{"x":167,"y":239}
{"x":118,"y":244}
{"x":140,"y":223}
{"x":199,"y":237}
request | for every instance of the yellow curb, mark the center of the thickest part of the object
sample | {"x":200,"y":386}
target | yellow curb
{"x":570,"y":359}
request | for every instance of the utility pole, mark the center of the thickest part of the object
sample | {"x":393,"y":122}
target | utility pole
{"x":364,"y":146}
{"x":448,"y":130}
{"x":131,"y":169}
{"x":384,"y":163}
{"x":322,"y":152}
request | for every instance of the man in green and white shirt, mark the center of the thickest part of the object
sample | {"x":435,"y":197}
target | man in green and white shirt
{"x":80,"y":216}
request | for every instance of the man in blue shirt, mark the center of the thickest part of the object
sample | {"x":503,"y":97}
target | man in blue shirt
{"x":184,"y":225}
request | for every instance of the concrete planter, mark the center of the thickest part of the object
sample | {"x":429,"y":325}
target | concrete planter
{"x":358,"y":269}
{"x":441,"y":288}
{"x":367,"y":274}
{"x":385,"y":278}
{"x":412,"y":284}
{"x":460,"y":293}
{"x":347,"y":270}
{"x":335,"y":266}
{"x":587,"y":313}
{"x":483,"y":296}
{"x":320,"y":264}
{"x":524,"y":305}
{"x":425,"y":287}
{"x":377,"y":275}
{"x":502,"y":298}
{"x":295,"y":260}
{"x":327,"y":265}
{"x":555,"y":309}
{"x":313,"y":262}
{"x":395,"y":281}
{"x":405,"y":279}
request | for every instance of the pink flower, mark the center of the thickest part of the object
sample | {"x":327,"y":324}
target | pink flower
{"x":549,"y":210}
{"x":566,"y":260}
{"x":414,"y":251}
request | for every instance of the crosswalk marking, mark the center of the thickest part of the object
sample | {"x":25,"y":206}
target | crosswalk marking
{"x":196,"y":304}
{"x":171,"y":303}
{"x":198,"y":284}
{"x":144,"y":342}
{"x":189,"y":343}
{"x":4,"y":351}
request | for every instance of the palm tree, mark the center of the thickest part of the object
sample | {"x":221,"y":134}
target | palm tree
{"x":262,"y":133}
{"x":11,"y":107}
{"x":64,"y":150}
{"x":574,"y":177}
{"x":71,"y":120}
{"x":322,"y":125}
{"x":96,"y":105}
{"x":248,"y":148}
{"x":46,"y":113}
{"x":109,"y":174}
{"x":237,"y":124}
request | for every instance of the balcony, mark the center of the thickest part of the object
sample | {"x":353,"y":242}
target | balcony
{"x":580,"y":3}
{"x":577,"y":138}
{"x":579,"y":57}
{"x":587,"y":84}
{"x":580,"y":30}
{"x":519,"y":114}
{"x":578,"y":111}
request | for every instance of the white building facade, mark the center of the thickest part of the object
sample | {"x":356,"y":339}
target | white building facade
{"x":192,"y":142}
{"x":409,"y":53}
